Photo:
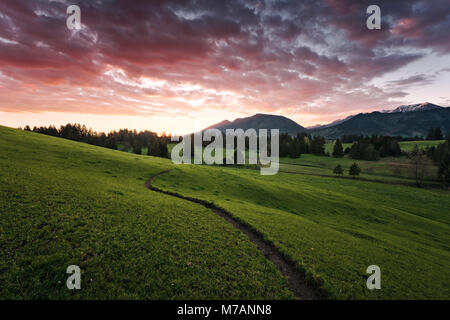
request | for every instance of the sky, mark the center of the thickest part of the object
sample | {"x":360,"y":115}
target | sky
{"x":182,"y":65}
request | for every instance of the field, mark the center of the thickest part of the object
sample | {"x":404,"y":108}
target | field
{"x":64,"y":203}
{"x":395,"y":170}
{"x":68,"y":203}
{"x":409,"y":145}
{"x":404,"y":145}
{"x":389,"y":169}
{"x":335,"y":228}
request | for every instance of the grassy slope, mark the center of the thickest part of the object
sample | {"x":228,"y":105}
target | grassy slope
{"x":68,"y":203}
{"x":63,"y":203}
{"x":336,"y":228}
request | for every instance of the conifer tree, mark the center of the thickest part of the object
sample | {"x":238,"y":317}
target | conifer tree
{"x":338,"y":151}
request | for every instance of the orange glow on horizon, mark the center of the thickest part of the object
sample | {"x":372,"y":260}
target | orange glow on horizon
{"x":176,"y":125}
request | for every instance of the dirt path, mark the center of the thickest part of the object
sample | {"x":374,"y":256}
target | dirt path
{"x":295,"y":278}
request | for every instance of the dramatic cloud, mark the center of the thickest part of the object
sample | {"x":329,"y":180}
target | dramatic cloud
{"x":305,"y":59}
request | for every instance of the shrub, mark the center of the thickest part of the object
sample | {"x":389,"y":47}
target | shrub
{"x":338,"y":170}
{"x":354,"y":170}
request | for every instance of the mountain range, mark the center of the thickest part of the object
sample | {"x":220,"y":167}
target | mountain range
{"x":407,"y":121}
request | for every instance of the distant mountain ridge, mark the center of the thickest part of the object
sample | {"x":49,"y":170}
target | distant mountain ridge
{"x":334,"y":123}
{"x":404,"y":108}
{"x":261,"y":121}
{"x":219,"y":125}
{"x":407,"y":121}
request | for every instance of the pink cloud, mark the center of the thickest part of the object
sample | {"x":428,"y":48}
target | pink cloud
{"x":407,"y":27}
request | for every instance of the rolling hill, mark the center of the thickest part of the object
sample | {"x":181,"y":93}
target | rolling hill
{"x":334,"y":228}
{"x":64,"y":202}
{"x":69,"y":203}
{"x":261,"y":121}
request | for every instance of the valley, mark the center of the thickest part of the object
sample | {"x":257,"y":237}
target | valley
{"x":68,"y":203}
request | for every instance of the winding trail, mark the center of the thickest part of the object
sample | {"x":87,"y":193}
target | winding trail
{"x":296,"y":279}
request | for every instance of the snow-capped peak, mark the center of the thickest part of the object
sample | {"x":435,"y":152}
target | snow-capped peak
{"x":414,"y":107}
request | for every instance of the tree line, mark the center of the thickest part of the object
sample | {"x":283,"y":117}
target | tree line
{"x":124,"y":139}
{"x":375,"y":147}
{"x":433,"y":134}
{"x":439,"y":155}
{"x":289,"y":146}
{"x":295,"y":146}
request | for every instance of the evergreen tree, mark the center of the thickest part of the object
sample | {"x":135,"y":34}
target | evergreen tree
{"x":444,"y":171}
{"x":354,"y":170}
{"x":164,"y":152}
{"x":302,"y":140}
{"x":153,"y":147}
{"x":364,"y":150}
{"x":338,"y":170}
{"x":438,"y":134}
{"x":317,"y":145}
{"x":338,"y":151}
{"x":419,"y":164}
{"x":295,"y":149}
{"x":285,"y":141}
{"x":435,"y":134}
{"x":137,"y":147}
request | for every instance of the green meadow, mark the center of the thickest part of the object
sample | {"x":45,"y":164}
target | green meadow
{"x":389,"y":169}
{"x":335,"y":228}
{"x":64,"y":203}
{"x":423,"y":144}
{"x":404,"y":145}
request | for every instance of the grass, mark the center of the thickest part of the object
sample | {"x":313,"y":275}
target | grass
{"x":64,"y":203}
{"x":335,"y":228}
{"x":407,"y":146}
{"x":389,"y":169}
